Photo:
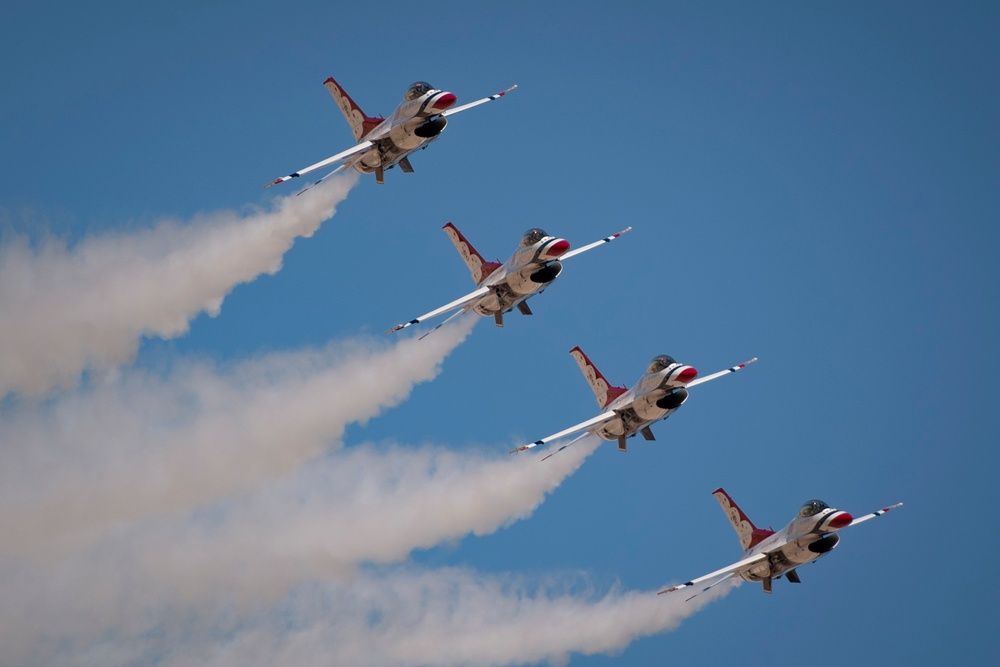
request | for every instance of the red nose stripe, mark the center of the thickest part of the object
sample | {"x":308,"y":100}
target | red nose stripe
{"x":842,"y":520}
{"x":558,"y":248}
{"x":687,"y":374}
{"x":444,"y":101}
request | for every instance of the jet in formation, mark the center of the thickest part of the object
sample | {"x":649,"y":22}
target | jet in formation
{"x":661,"y":390}
{"x":500,"y":288}
{"x":769,"y":555}
{"x":384,"y":143}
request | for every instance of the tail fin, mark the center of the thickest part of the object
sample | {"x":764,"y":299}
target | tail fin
{"x":749,"y":534}
{"x":356,"y":118}
{"x":478,"y":266}
{"x":604,"y":392}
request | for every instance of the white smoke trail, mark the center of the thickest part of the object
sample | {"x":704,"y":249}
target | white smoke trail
{"x":66,"y":310}
{"x":139,"y":446}
{"x":271,"y":578}
{"x":451,"y":617}
{"x":383,"y":617}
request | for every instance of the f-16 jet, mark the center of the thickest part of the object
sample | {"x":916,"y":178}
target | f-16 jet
{"x":769,"y":555}
{"x":661,"y":390}
{"x":385,"y":142}
{"x":500,"y":288}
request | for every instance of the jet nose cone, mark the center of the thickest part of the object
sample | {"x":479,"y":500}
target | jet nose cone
{"x":687,"y":374}
{"x":840,"y":520}
{"x":444,"y":101}
{"x":557,"y":248}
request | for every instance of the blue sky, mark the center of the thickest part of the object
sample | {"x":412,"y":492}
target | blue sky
{"x":814,"y":186}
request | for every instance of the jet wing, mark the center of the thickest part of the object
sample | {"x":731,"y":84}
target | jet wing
{"x":455,"y":110}
{"x":590,"y":425}
{"x":725,"y":573}
{"x":457,"y":303}
{"x":343,"y":155}
{"x":606,"y":239}
{"x":731,"y":369}
{"x":882,"y":511}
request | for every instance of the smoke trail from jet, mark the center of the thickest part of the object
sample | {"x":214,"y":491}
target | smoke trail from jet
{"x":382,"y":617}
{"x":452,"y":617}
{"x":141,"y":446}
{"x":273,"y":578}
{"x":251,"y":551}
{"x":66,"y":310}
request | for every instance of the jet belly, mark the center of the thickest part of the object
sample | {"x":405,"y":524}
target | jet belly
{"x":789,"y":555}
{"x":533,"y":278}
{"x":628,"y":420}
{"x":647,"y":409}
{"x":516,"y":286}
{"x":405,"y":138}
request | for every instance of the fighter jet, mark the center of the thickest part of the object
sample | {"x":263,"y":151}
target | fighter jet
{"x":535,"y":265}
{"x":768,"y":554}
{"x":384,"y":143}
{"x":659,"y":392}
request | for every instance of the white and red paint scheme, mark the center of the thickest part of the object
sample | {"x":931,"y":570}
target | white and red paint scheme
{"x":768,"y":554}
{"x":500,"y":288}
{"x":384,"y":143}
{"x":661,"y":390}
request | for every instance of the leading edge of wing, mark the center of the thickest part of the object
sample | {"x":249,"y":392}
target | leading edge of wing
{"x":343,"y":155}
{"x":593,"y":421}
{"x":457,"y":303}
{"x":589,"y":246}
{"x":451,"y":112}
{"x":862,"y":519}
{"x":728,"y":571}
{"x":731,"y":369}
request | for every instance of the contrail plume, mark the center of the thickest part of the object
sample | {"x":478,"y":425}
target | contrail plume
{"x":69,"y":309}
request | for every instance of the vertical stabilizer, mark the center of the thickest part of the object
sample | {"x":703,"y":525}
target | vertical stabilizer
{"x":749,"y":534}
{"x":604,"y":392}
{"x":356,"y":118}
{"x":478,"y":267}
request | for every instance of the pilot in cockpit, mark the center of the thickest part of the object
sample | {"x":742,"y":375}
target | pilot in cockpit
{"x":660,"y":362}
{"x":532,"y":236}
{"x":416,"y":90}
{"x":812,"y":508}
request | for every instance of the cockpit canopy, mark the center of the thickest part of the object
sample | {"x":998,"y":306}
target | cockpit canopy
{"x":660,"y":362}
{"x":812,"y":508}
{"x":532,"y":236}
{"x":416,"y":90}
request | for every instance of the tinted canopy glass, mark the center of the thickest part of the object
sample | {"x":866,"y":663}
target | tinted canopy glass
{"x":660,"y":362}
{"x":812,"y":508}
{"x":417,"y":89}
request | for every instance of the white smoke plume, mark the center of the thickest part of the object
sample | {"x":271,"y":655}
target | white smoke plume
{"x":139,"y":445}
{"x":66,"y":310}
{"x":272,"y":577}
{"x":449,"y":617}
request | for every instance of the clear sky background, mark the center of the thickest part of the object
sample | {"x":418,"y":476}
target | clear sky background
{"x":276,"y":482}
